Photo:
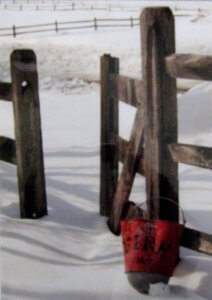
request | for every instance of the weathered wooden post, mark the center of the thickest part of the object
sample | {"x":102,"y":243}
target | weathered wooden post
{"x":109,"y":134}
{"x":131,"y":22}
{"x":158,"y":41}
{"x":14,"y":31}
{"x":95,"y":23}
{"x":29,"y":154}
{"x":56,"y":27}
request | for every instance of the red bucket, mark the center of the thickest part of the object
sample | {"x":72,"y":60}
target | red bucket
{"x":151,"y":246}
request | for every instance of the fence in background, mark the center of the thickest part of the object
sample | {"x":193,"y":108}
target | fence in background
{"x":72,"y":6}
{"x":54,"y":5}
{"x":70,"y":25}
{"x":26,"y":150}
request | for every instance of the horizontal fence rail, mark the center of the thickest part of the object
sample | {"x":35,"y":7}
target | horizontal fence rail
{"x":5,"y":91}
{"x":192,"y":155}
{"x":7,"y":150}
{"x":189,"y":66}
{"x":197,"y":240}
{"x":123,"y":152}
{"x":129,"y":89}
{"x":69,"y":25}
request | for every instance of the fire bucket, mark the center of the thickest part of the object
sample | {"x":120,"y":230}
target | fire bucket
{"x":151,"y":250}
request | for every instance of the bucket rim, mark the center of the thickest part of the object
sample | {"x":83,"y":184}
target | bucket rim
{"x":152,"y":221}
{"x":172,"y":201}
{"x":144,"y":271}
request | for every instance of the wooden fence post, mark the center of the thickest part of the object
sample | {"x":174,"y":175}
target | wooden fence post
{"x":29,"y":154}
{"x":56,"y":27}
{"x":95,"y":23}
{"x":109,"y":135}
{"x":158,"y":41}
{"x":131,"y":22}
{"x":14,"y":31}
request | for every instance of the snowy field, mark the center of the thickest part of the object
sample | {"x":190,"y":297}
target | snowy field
{"x":70,"y":254}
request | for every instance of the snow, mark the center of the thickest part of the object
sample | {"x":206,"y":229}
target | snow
{"x":159,"y":289}
{"x":70,"y":254}
{"x":77,"y":59}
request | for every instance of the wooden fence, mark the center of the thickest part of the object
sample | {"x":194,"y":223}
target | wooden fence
{"x":55,"y":7}
{"x":153,"y":150}
{"x":70,"y":25}
{"x":65,"y":6}
{"x":44,"y":5}
{"x":26,"y":150}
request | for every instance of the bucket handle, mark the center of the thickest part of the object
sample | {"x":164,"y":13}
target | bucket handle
{"x":172,"y":201}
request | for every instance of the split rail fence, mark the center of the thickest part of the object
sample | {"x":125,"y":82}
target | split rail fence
{"x":70,"y":25}
{"x":41,"y":6}
{"x":26,"y":150}
{"x":60,"y":5}
{"x":153,"y":150}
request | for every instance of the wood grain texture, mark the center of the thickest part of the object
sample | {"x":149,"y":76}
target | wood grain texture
{"x":158,"y":42}
{"x":123,"y":151}
{"x":129,"y":170}
{"x":196,"y":240}
{"x":192,"y":155}
{"x":29,"y":153}
{"x":129,"y":90}
{"x":189,"y":66}
{"x":109,"y":134}
{"x":5,"y":91}
{"x":132,"y":210}
{"x":7,"y":150}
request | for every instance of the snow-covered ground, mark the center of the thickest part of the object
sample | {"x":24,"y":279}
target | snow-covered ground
{"x":70,"y":254}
